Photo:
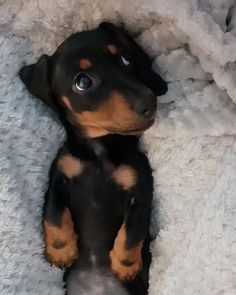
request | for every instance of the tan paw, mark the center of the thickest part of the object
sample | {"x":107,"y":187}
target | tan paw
{"x":61,"y":242}
{"x":61,"y":253}
{"x":125,"y":261}
{"x":124,"y":269}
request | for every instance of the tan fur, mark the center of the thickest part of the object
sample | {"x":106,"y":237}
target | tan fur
{"x":125,"y":176}
{"x":120,"y":253}
{"x":66,"y":102}
{"x":70,"y":166}
{"x":112,"y":48}
{"x":85,"y":64}
{"x":60,"y":242}
{"x":112,"y":116}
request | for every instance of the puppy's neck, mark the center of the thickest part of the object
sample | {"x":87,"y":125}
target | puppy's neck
{"x":104,"y":147}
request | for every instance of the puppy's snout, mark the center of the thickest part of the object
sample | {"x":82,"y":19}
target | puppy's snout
{"x":146,"y":107}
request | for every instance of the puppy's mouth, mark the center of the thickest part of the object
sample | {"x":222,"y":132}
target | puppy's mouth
{"x":135,"y":131}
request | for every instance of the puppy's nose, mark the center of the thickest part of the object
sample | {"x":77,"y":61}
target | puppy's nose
{"x":146,"y":109}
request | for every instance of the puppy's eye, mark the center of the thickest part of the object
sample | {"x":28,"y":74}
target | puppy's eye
{"x":82,"y":82}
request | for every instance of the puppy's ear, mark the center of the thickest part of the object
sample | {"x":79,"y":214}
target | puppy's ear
{"x":142,"y":62}
{"x":36,"y":79}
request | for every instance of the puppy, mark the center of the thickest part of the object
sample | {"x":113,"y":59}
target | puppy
{"x":97,"y":206}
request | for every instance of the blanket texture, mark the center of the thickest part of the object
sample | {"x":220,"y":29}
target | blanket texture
{"x":192,"y":146}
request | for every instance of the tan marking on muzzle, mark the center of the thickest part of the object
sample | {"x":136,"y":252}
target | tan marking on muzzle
{"x":66,"y":102}
{"x":112,"y":115}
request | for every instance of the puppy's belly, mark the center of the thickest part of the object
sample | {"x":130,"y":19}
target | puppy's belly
{"x":97,"y":204}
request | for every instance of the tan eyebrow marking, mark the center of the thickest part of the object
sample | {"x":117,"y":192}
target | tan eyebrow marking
{"x":112,"y":48}
{"x":85,"y":63}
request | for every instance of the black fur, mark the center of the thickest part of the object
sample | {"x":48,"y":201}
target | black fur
{"x":98,"y":205}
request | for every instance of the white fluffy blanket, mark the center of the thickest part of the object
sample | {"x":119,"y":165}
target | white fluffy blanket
{"x":192,"y":147}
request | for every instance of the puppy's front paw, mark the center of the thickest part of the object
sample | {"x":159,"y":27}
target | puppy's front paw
{"x":125,"y":262}
{"x":124,"y":269}
{"x":61,"y":253}
{"x":61,"y":242}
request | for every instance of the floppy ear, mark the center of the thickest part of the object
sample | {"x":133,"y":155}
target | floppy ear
{"x":142,"y":62}
{"x":36,"y":78}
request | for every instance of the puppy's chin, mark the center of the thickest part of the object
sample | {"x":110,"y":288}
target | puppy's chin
{"x":94,"y":132}
{"x":140,"y":130}
{"x":133,"y":131}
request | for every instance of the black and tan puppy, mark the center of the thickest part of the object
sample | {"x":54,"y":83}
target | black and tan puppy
{"x":97,"y":207}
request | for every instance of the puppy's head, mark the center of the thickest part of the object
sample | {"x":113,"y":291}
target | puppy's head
{"x":100,"y":80}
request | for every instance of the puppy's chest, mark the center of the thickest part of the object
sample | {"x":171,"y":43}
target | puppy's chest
{"x":97,"y":182}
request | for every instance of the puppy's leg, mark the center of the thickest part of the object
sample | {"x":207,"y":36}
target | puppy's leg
{"x":126,"y":255}
{"x":59,"y":236}
{"x":125,"y":260}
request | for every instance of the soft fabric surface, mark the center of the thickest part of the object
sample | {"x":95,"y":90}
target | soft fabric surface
{"x":192,"y":147}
